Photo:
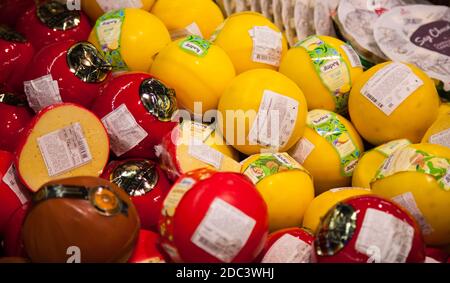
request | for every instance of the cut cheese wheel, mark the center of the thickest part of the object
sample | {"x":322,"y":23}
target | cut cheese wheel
{"x":64,"y":140}
{"x":193,"y":146}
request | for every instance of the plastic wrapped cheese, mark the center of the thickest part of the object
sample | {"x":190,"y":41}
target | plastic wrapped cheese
{"x":420,"y":35}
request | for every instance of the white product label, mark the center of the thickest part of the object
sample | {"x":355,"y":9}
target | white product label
{"x":267,"y":45}
{"x":355,"y":61}
{"x":288,"y":249}
{"x":390,"y":86}
{"x":12,"y":180}
{"x":275,"y":120}
{"x":205,"y":153}
{"x":303,"y":150}
{"x":224,"y":231}
{"x":110,"y":5}
{"x":42,"y":92}
{"x":408,"y":202}
{"x":384,"y":237}
{"x":192,"y":29}
{"x":123,"y":130}
{"x":442,"y":138}
{"x":431,"y":260}
{"x":64,"y":149}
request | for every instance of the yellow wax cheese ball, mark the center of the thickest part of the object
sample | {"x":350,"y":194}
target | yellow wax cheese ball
{"x":285,"y":185}
{"x":198,"y":71}
{"x":321,"y":204}
{"x":262,"y":109}
{"x":251,"y":41}
{"x":189,"y":17}
{"x":425,"y":194}
{"x":322,"y":67}
{"x":439,"y":132}
{"x":140,"y":36}
{"x":93,"y":10}
{"x":329,"y":150}
{"x":393,"y":101}
{"x":370,"y":162}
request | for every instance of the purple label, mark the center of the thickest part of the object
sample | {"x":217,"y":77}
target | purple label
{"x":434,"y":36}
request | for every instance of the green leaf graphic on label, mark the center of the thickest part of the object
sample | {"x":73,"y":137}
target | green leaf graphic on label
{"x":270,"y":164}
{"x":328,"y":125}
{"x":195,"y":45}
{"x":331,"y":68}
{"x":413,"y":160}
{"x":109,"y":29}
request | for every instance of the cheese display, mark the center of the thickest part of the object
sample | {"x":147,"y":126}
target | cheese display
{"x":417,"y":178}
{"x":224,"y":132}
{"x":262,"y":109}
{"x":251,"y":41}
{"x":420,"y":35}
{"x":329,"y":149}
{"x":198,"y":71}
{"x":183,"y":19}
{"x":284,"y":184}
{"x":62,"y":141}
{"x":192,"y":145}
{"x":329,"y":68}
{"x":129,"y":38}
{"x":393,"y":101}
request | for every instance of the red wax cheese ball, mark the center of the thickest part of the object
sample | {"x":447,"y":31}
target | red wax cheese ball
{"x":77,"y":68}
{"x":84,"y":216}
{"x":16,"y":53}
{"x":146,"y":184}
{"x":11,"y":10}
{"x":15,"y":116}
{"x":147,"y":249}
{"x":213,"y":217}
{"x":136,"y":109}
{"x":291,"y":245}
{"x":50,"y":22}
{"x":366,"y":229}
{"x":13,"y":238}
{"x":436,"y":254}
{"x":63,"y":140}
{"x":12,"y":194}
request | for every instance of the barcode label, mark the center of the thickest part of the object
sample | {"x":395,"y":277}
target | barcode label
{"x":64,"y":149}
{"x":267,"y":45}
{"x":12,"y":180}
{"x":205,"y":153}
{"x":389,"y":236}
{"x":274,"y":124}
{"x":42,"y":92}
{"x":390,"y":86}
{"x":223,"y":231}
{"x":442,"y":138}
{"x":408,"y":202}
{"x":355,"y":61}
{"x":123,"y":130}
{"x":288,"y":249}
{"x":302,"y":150}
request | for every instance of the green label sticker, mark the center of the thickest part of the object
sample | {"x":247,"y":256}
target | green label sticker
{"x":413,"y":160}
{"x":328,"y":125}
{"x":392,"y":146}
{"x":109,"y":29}
{"x":196,"y":45}
{"x":269,"y":164}
{"x":331,"y":68}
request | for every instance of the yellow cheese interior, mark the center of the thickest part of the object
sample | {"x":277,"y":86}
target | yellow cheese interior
{"x":32,"y":166}
{"x":188,"y":163}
